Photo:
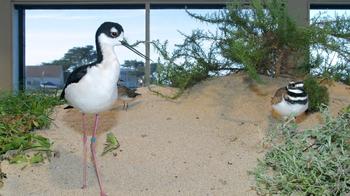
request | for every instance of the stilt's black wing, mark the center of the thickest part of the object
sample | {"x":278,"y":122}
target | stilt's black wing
{"x":75,"y":77}
{"x":68,"y":107}
{"x":132,"y":93}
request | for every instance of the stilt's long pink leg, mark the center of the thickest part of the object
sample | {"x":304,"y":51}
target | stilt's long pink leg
{"x":84,"y":151}
{"x":93,"y":151}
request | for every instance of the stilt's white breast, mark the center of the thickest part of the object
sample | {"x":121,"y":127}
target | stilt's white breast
{"x":286,"y":109}
{"x":96,"y":91}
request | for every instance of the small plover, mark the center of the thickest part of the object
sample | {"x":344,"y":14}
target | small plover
{"x":291,"y":100}
{"x":127,"y":95}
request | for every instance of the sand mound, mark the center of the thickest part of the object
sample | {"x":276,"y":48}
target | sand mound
{"x":200,"y":144}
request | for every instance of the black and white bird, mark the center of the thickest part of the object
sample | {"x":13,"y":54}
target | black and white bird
{"x":126,"y":95}
{"x":92,"y":88}
{"x":291,"y":100}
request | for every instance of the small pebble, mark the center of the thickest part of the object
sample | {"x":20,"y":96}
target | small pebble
{"x":56,"y":154}
{"x":144,"y":135}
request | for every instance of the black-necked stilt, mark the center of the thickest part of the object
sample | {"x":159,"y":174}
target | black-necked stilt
{"x":126,"y":95}
{"x":92,"y":88}
{"x":291,"y":100}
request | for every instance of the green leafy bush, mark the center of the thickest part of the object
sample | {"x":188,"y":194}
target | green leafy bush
{"x":310,"y":162}
{"x":189,"y":63}
{"x":261,"y":40}
{"x":330,"y":46}
{"x":318,"y":95}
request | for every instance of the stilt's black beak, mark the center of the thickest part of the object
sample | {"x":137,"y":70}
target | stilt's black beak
{"x":124,"y":43}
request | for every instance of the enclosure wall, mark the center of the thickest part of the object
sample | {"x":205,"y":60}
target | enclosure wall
{"x":9,"y":47}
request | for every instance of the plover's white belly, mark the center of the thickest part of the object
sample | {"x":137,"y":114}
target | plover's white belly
{"x":125,"y":98}
{"x":94,"y":93}
{"x":286,"y":109}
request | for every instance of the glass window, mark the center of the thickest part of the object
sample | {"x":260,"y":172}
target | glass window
{"x":50,"y":34}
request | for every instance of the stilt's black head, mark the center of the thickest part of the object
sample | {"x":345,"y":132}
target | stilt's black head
{"x":112,"y":34}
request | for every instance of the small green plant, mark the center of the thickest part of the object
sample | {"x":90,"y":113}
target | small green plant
{"x":310,"y":162}
{"x":111,"y":143}
{"x":346,"y":110}
{"x":20,"y":114}
{"x":318,"y":95}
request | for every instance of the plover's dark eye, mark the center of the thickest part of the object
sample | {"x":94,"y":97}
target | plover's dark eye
{"x":114,"y":34}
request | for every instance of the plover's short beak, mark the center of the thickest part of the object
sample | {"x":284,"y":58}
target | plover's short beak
{"x":124,"y":43}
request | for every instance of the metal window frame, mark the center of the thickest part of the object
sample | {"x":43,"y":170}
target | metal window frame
{"x":22,"y":6}
{"x":147,"y":7}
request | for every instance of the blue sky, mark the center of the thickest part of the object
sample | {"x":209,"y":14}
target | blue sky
{"x":51,"y":33}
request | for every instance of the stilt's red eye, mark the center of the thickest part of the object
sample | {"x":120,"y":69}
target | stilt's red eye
{"x":114,"y":34}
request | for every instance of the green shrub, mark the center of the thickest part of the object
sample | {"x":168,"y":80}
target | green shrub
{"x":261,"y":40}
{"x":188,"y":64}
{"x":318,"y":95}
{"x":310,"y":162}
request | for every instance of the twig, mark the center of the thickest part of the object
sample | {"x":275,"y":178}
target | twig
{"x":307,"y":148}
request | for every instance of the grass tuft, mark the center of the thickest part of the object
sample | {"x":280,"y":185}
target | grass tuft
{"x":310,"y":162}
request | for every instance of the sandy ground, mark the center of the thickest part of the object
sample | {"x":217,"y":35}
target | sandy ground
{"x":201,"y":144}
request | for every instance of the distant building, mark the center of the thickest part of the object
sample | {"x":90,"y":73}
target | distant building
{"x":52,"y":76}
{"x":46,"y":76}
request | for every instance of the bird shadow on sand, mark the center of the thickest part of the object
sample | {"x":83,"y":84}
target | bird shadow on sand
{"x":73,"y":118}
{"x":66,"y":171}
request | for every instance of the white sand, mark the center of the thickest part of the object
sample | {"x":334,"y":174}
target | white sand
{"x":201,"y":144}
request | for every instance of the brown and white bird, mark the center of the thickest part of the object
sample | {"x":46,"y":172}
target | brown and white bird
{"x":127,"y":95}
{"x":291,"y":100}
